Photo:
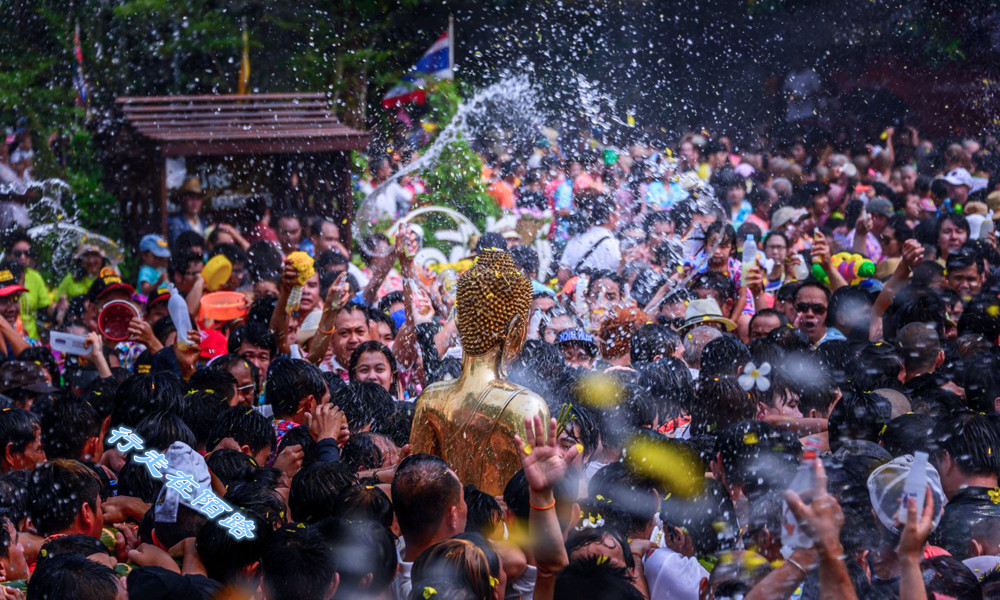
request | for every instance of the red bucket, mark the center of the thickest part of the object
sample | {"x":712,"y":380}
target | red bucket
{"x":114,"y":318}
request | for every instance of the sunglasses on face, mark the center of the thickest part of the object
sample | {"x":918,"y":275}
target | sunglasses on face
{"x":20,"y":253}
{"x":817,"y":309}
{"x":673,"y":322}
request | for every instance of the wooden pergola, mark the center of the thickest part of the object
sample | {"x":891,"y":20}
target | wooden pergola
{"x":268,"y":140}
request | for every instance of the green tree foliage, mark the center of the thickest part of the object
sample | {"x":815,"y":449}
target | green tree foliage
{"x":455,"y":179}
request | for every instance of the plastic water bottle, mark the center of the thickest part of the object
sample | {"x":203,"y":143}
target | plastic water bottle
{"x":749,"y":257}
{"x":792,"y":535}
{"x":178,"y":309}
{"x":915,"y":486}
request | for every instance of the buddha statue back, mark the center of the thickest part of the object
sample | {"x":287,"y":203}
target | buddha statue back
{"x":471,"y":421}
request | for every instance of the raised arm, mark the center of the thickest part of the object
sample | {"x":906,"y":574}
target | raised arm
{"x":544,"y":467}
{"x":913,"y":254}
{"x":822,"y":520}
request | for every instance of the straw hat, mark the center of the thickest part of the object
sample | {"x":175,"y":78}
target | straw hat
{"x":192,"y":185}
{"x":705,"y":310}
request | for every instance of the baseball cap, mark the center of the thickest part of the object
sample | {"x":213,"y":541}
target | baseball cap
{"x":213,"y":343}
{"x":9,"y":283}
{"x":880,"y":206}
{"x":156,"y":244}
{"x":959,"y":176}
{"x":108,"y":281}
{"x":19,"y":374}
{"x":786,"y":214}
{"x":885,"y":489}
{"x":576,"y":336}
{"x":159,"y":295}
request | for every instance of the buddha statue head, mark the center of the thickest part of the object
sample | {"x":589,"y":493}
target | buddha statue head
{"x":493,"y":301}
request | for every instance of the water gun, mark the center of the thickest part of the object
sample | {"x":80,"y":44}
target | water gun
{"x":852,"y":267}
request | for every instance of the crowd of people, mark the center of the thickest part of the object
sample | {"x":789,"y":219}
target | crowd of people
{"x":751,"y":356}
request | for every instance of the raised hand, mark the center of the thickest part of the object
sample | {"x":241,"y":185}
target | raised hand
{"x":326,"y":422}
{"x":544,"y":463}
{"x":913,"y":253}
{"x":822,"y":518}
{"x":916,"y":530}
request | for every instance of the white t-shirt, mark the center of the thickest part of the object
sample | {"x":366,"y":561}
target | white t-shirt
{"x":673,"y":576}
{"x":606,"y":252}
{"x":393,"y":201}
{"x":402,"y":584}
{"x":523,"y":586}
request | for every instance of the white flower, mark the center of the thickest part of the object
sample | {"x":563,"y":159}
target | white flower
{"x":752,"y":376}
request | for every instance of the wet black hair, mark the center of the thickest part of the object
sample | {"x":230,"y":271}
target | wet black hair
{"x":484,"y":514}
{"x":981,"y":317}
{"x":361,"y":503}
{"x":135,"y":480}
{"x":626,"y":500}
{"x":717,"y":284}
{"x":261,"y":310}
{"x":14,"y":500}
{"x":971,"y":440}
{"x":964,"y":258}
{"x":361,"y":548}
{"x":979,"y":377}
{"x":67,"y":424}
{"x":396,"y":425}
{"x":720,"y":401}
{"x":361,"y":452}
{"x":75,"y":543}
{"x":222,"y":383}
{"x":858,"y":416}
{"x":260,"y":496}
{"x":526,"y":258}
{"x":56,"y":490}
{"x":722,"y":356}
{"x":298,"y":563}
{"x":315,"y":488}
{"x":187,"y":240}
{"x":364,"y":403}
{"x":142,"y":395}
{"x":709,"y":517}
{"x":591,"y":578}
{"x":200,"y":413}
{"x":946,"y":576}
{"x":161,"y":429}
{"x":181,"y":260}
{"x":18,"y":428}
{"x":257,"y":334}
{"x":908,"y":433}
{"x":73,"y":576}
{"x":289,"y":381}
{"x":653,"y":341}
{"x":246,"y":426}
{"x":42,"y":356}
{"x":224,"y":556}
{"x":878,"y":366}
{"x":757,"y":457}
{"x":230,"y":466}
{"x":422,"y":491}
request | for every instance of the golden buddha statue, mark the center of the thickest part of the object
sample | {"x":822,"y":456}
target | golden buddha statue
{"x":471,"y":421}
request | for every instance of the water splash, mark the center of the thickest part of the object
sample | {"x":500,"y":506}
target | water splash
{"x":58,"y":233}
{"x":502,"y":111}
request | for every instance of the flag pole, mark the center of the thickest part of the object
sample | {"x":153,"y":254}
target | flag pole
{"x":451,"y":44}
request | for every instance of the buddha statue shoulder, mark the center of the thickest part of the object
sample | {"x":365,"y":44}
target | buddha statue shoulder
{"x":471,"y":421}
